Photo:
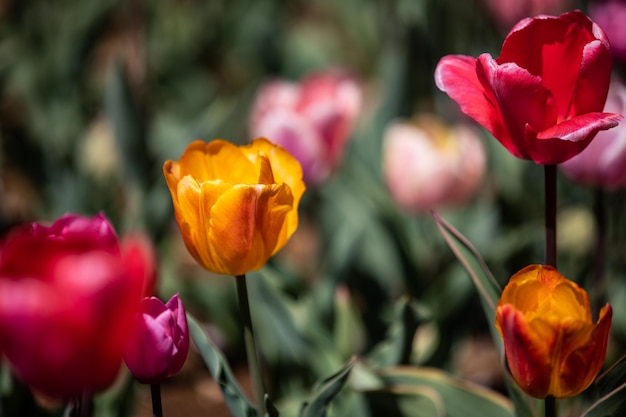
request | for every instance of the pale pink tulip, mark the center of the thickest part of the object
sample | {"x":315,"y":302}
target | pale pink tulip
{"x":428,"y":165}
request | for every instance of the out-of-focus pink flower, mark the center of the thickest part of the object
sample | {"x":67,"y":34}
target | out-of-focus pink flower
{"x":610,"y":16}
{"x":159,"y":341}
{"x":427,"y":165}
{"x":542,"y":98}
{"x":312,"y":119}
{"x":603,"y":162}
{"x":67,"y":298}
{"x":506,"y":13}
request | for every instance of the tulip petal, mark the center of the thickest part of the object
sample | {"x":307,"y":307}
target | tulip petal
{"x":527,"y":355}
{"x":466,"y":81}
{"x":580,"y":366}
{"x":592,"y":85}
{"x":245,"y":226}
{"x":219,"y":159}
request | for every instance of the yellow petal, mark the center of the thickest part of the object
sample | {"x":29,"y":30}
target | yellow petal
{"x":246,"y":222}
{"x":217,"y":160}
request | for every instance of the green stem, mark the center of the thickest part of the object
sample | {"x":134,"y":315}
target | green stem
{"x":157,"y":407}
{"x":251,"y":350}
{"x":550,"y":407}
{"x":550,"y":215}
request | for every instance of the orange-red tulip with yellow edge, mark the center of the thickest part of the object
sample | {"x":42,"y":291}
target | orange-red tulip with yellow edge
{"x":236,"y":206}
{"x":552,"y":346}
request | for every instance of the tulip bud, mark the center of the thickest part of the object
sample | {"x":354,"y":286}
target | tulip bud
{"x":552,"y":345}
{"x":159,"y":341}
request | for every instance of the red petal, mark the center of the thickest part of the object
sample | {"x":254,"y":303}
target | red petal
{"x":594,"y":78}
{"x":527,"y":356}
{"x":466,"y":81}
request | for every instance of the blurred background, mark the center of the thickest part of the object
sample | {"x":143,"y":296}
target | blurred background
{"x":96,"y":94}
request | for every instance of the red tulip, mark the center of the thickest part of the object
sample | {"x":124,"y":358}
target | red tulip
{"x":542,"y":98}
{"x":159,"y":340}
{"x":602,"y":163}
{"x":67,"y":297}
{"x":313,"y":120}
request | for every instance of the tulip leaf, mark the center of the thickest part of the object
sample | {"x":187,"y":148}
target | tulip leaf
{"x":489,"y":291}
{"x":236,"y":400}
{"x":438,"y":394}
{"x":397,"y":348}
{"x":325,"y":391}
{"x":271,"y":411}
{"x":612,"y":389}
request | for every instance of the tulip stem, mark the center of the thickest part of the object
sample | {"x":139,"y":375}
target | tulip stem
{"x":550,"y":214}
{"x":550,"y":406}
{"x":251,"y":350}
{"x":157,"y":407}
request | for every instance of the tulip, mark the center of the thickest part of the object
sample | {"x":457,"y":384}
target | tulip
{"x":508,"y":12}
{"x":602,"y":163}
{"x":427,"y":165}
{"x":235,"y":206}
{"x":610,"y":17}
{"x":67,"y":296}
{"x":552,"y":346}
{"x":159,"y":340}
{"x":542,"y":98}
{"x":313,"y":119}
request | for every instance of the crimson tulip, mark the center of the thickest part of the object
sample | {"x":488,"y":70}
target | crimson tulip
{"x":543,"y":97}
{"x":159,"y":340}
{"x":67,"y":298}
{"x":312,"y":119}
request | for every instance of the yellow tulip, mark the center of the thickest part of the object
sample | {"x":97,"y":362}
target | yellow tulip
{"x":235,"y":206}
{"x":552,"y":345}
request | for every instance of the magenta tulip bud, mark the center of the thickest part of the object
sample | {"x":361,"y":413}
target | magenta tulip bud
{"x":159,"y":341}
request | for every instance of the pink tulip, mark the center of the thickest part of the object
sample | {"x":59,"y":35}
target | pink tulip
{"x":610,"y":16}
{"x":508,"y":12}
{"x":602,"y":163}
{"x":312,"y":119}
{"x":67,"y":297}
{"x":427,"y":165}
{"x":159,"y":340}
{"x":542,"y":98}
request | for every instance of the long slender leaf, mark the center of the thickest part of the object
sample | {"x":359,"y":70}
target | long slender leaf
{"x":451,"y":397}
{"x":236,"y":400}
{"x":489,"y":291}
{"x":325,"y":391}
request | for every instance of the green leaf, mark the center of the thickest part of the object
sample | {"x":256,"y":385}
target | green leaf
{"x":489,"y":291}
{"x":324,"y":392}
{"x":612,"y":388}
{"x":442,"y":394}
{"x":237,"y":402}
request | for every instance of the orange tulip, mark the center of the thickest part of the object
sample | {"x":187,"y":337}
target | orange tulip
{"x":235,"y":206}
{"x":551,"y":344}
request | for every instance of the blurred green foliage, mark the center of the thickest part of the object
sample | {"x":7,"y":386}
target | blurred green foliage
{"x":95,"y":95}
